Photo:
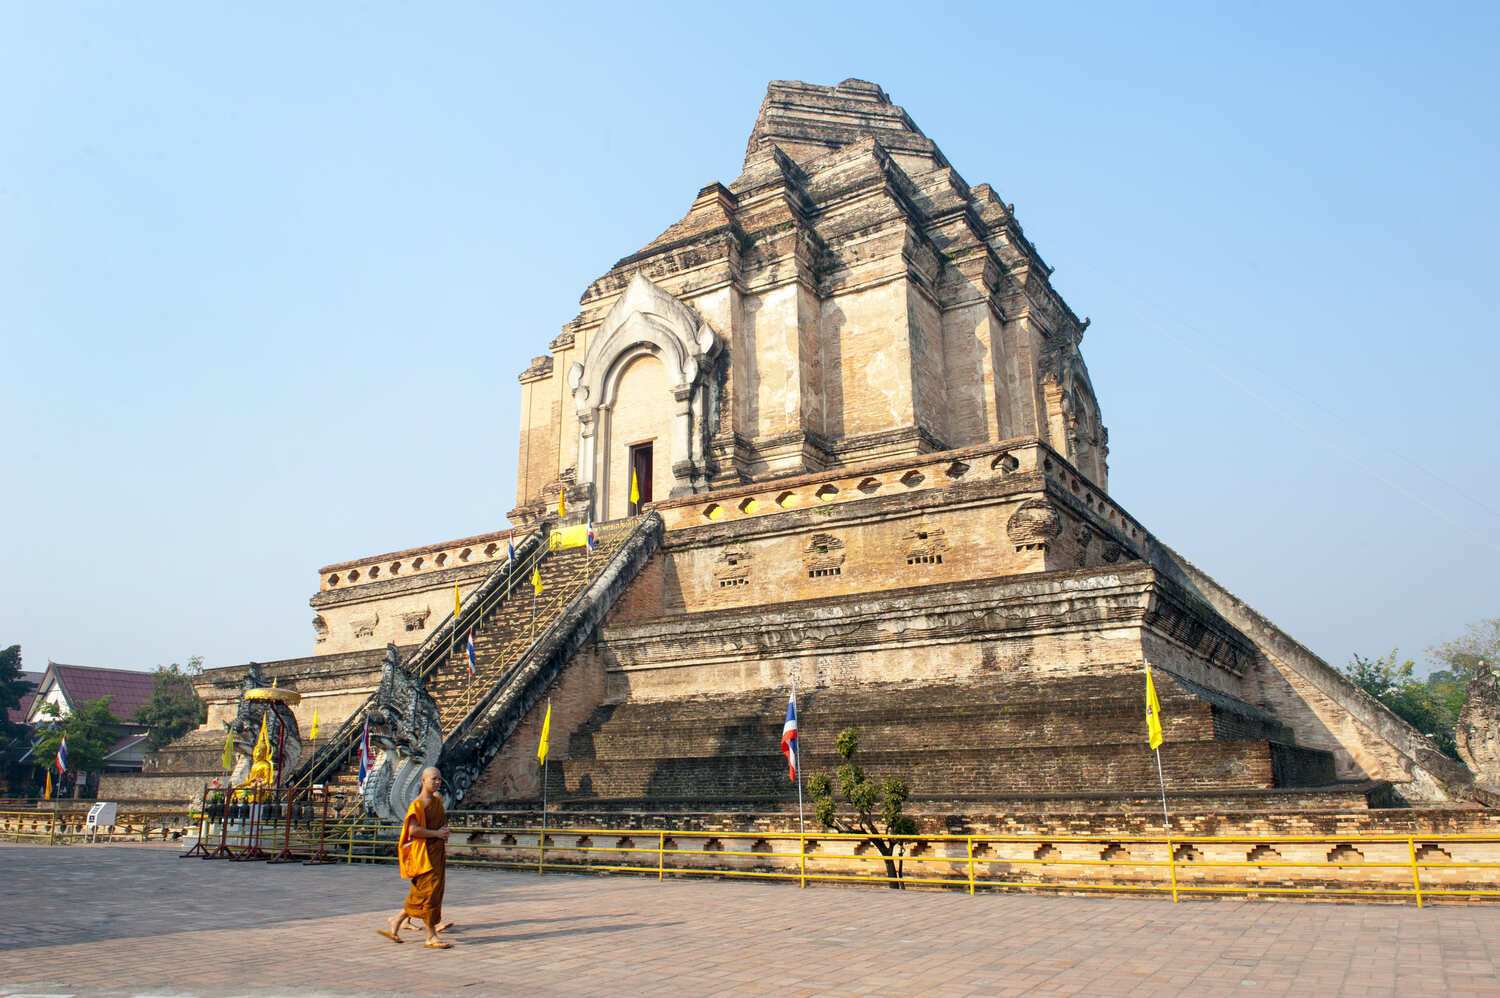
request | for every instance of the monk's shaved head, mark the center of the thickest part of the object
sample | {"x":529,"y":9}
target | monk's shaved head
{"x":430,"y":769}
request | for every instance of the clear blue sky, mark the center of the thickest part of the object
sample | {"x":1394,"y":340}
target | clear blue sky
{"x":268,"y":271}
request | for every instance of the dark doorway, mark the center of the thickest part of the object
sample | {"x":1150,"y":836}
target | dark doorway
{"x":640,"y":484}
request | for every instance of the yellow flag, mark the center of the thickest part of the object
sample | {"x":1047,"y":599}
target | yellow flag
{"x":562,"y":506}
{"x":536,"y":581}
{"x":313,"y":731}
{"x":564,"y":538}
{"x":457,"y":606}
{"x":47,"y":795}
{"x":541,"y":750}
{"x":1153,"y":713}
{"x":228,"y":757}
{"x":635,"y":487}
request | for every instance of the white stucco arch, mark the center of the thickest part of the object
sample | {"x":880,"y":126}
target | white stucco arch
{"x":646,"y":319}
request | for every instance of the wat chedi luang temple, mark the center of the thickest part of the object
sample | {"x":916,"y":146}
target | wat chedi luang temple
{"x":832,"y":428}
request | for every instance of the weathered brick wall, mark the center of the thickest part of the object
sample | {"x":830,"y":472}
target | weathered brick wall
{"x":514,"y":774}
{"x":988,"y":738}
{"x":1055,"y":624}
{"x":948,"y":772}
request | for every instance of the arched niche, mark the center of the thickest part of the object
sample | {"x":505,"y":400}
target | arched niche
{"x":1087,"y":437}
{"x":645,"y":322}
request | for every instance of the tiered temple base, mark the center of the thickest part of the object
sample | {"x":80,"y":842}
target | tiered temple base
{"x":1078,"y":739}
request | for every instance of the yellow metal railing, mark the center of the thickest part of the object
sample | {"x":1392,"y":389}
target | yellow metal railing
{"x":1321,"y":866}
{"x":67,"y":828}
{"x":1400,"y":867}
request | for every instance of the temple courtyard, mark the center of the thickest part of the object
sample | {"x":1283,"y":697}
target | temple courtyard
{"x":137,"y":920}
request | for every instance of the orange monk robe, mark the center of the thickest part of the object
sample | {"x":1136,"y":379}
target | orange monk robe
{"x":424,"y":861}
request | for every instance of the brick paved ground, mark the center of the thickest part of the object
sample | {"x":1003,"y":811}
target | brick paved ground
{"x":137,"y":920}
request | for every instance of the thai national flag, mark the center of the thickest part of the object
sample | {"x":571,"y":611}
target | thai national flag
{"x":510,"y":542}
{"x":589,"y":539}
{"x":62,"y":755}
{"x":470,"y":647}
{"x":366,"y":757}
{"x":789,"y":737}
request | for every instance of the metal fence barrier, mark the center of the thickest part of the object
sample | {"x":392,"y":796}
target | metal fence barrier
{"x":1395,"y":867}
{"x":71,"y":827}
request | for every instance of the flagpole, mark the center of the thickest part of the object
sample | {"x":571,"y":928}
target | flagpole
{"x":801,"y":825}
{"x":1160,"y":779}
{"x":541,"y":842}
{"x":1166,"y":821}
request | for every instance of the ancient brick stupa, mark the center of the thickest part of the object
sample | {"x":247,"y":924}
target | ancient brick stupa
{"x":834,"y":429}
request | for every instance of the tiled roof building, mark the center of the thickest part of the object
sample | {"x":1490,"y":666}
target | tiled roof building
{"x":68,"y":686}
{"x":19,"y":713}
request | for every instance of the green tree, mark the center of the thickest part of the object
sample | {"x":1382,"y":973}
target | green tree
{"x":13,"y":740}
{"x":90,"y":729}
{"x":1463,"y":655}
{"x":872,"y":806}
{"x":174,"y":707}
{"x":12,"y":689}
{"x":1431,"y":706}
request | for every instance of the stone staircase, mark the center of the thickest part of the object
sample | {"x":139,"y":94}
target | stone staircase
{"x":493,"y":710}
{"x":513,"y":625}
{"x":1076,"y":737}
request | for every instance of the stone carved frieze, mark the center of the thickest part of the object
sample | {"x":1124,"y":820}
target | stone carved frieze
{"x":416,"y":620}
{"x":1034,"y":524}
{"x":320,"y":628}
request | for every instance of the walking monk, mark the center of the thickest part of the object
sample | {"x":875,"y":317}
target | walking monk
{"x":424,"y":861}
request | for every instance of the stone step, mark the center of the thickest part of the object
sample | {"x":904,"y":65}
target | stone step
{"x":990,"y":727}
{"x":989,"y":712}
{"x":1218,"y":765}
{"x":938,"y":698}
{"x":1297,"y":801}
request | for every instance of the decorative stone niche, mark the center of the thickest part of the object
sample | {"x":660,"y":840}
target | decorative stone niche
{"x":823,"y":556}
{"x":924,"y":545}
{"x":1034,"y":524}
{"x":1005,"y":464}
{"x":364,"y":627}
{"x":732,"y":568}
{"x":1082,"y":535}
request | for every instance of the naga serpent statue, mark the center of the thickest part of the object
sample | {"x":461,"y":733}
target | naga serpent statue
{"x":406,"y":735}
